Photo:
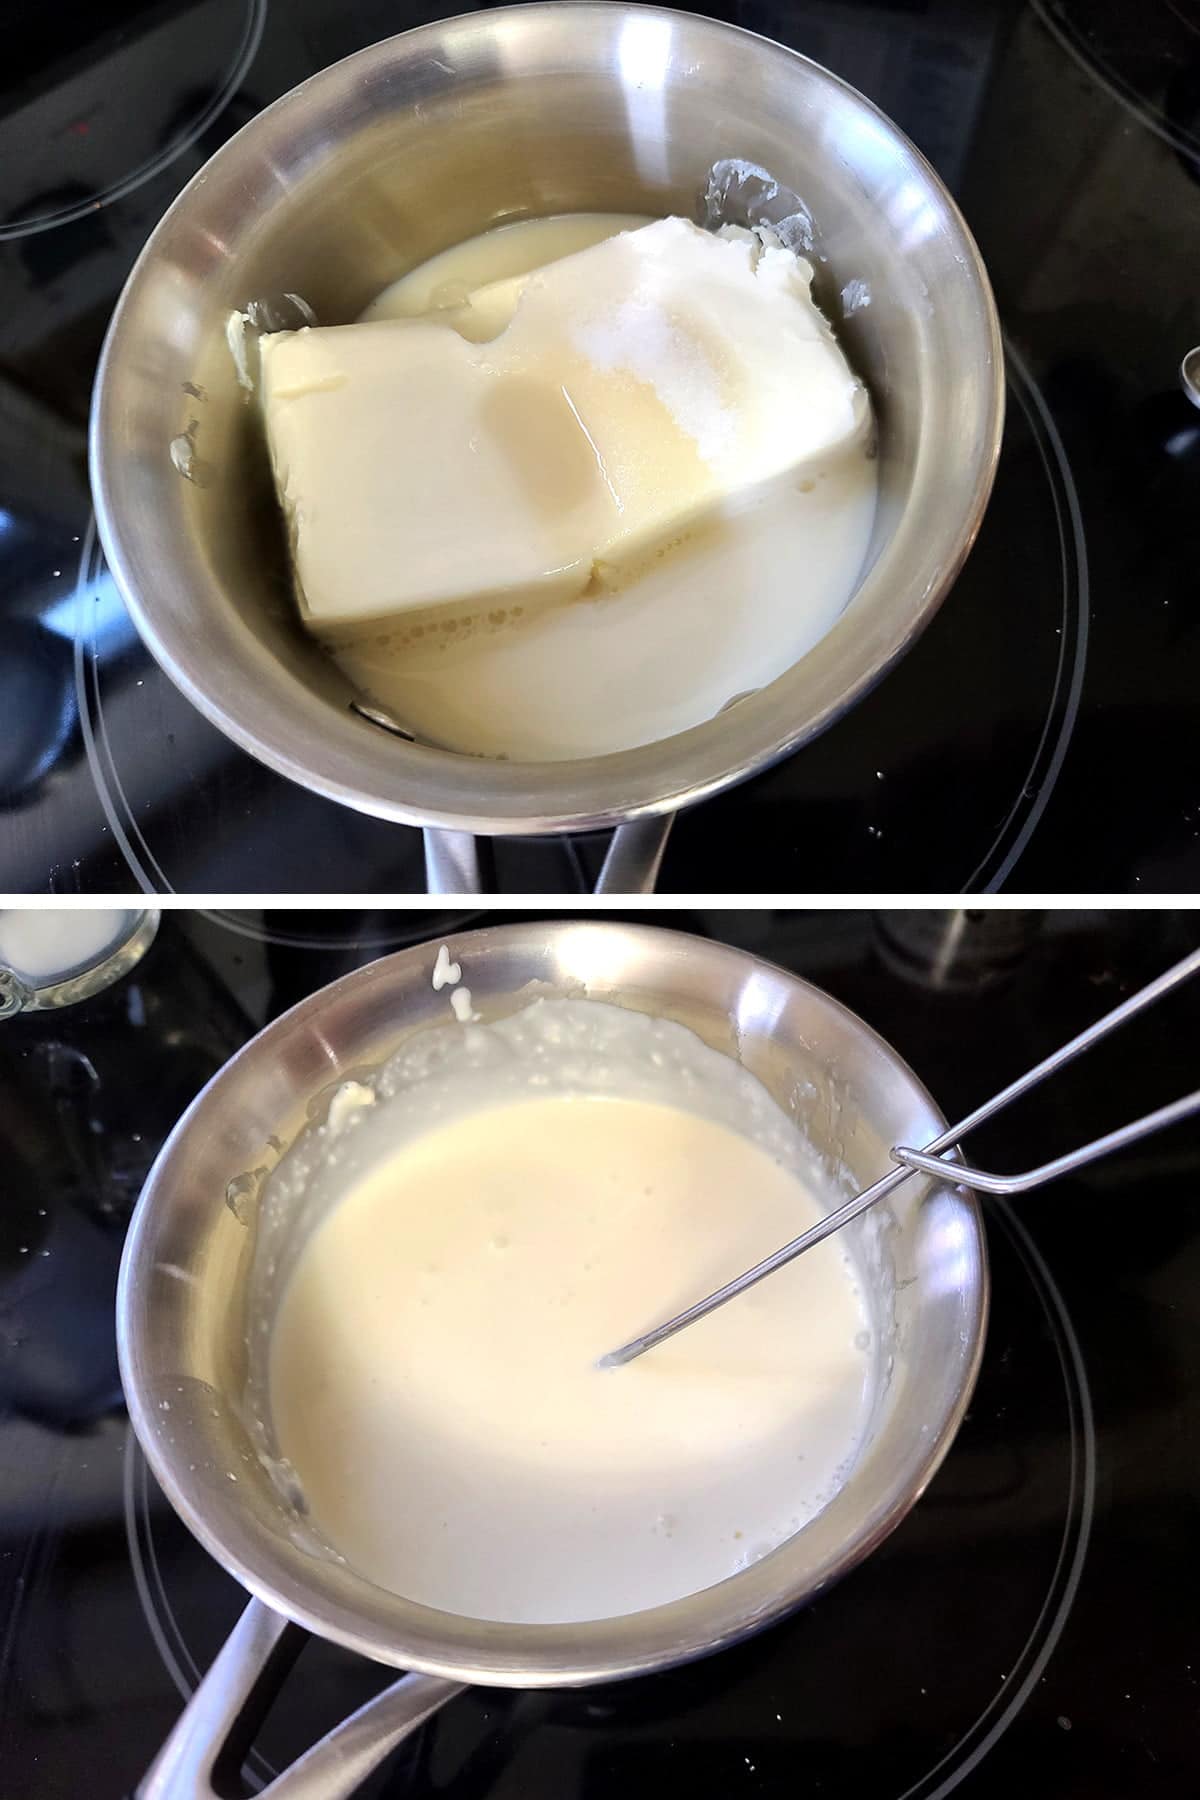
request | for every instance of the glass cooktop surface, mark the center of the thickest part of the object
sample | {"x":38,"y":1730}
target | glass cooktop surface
{"x":1028,"y":1628}
{"x":1057,"y":683}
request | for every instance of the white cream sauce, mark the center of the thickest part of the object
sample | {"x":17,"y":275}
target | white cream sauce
{"x":518,"y":1200}
{"x":731,"y":607}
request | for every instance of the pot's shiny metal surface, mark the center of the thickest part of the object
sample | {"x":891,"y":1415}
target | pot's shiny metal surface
{"x":182,"y":1305}
{"x":411,"y":146}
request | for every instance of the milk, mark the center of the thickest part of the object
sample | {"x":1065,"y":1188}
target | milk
{"x":45,"y":946}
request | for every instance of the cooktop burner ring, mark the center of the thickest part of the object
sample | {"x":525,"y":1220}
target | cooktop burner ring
{"x":1051,"y":1621}
{"x":91,"y":723}
{"x":1018,"y":1682}
{"x":1036,"y":780}
{"x":1046,"y":766}
{"x":243,"y":57}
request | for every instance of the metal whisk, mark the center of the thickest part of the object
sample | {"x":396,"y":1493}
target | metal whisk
{"x":932,"y":1160}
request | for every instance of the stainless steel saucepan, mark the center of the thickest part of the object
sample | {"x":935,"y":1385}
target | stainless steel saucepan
{"x":416,"y":144}
{"x":183,"y":1323}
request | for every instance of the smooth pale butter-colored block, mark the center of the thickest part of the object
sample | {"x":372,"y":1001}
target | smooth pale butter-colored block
{"x":412,"y":479}
{"x":618,"y":395}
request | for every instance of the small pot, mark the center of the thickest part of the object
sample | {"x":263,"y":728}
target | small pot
{"x":182,"y":1328}
{"x":416,"y":144}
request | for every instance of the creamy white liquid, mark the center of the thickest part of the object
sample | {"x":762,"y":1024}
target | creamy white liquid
{"x":726,"y":611}
{"x":509,"y":250}
{"x":433,"y":1367}
{"x":46,"y":946}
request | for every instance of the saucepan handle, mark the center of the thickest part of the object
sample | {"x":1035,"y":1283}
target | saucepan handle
{"x":631,"y":863}
{"x":635,"y":855}
{"x":201,"y":1758}
{"x":451,"y":862}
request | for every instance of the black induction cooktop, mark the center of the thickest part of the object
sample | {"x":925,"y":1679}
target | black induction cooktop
{"x":1029,"y":1629}
{"x":1041,"y":735}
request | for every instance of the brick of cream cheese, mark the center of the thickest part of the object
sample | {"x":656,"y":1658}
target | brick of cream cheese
{"x":554,"y":430}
